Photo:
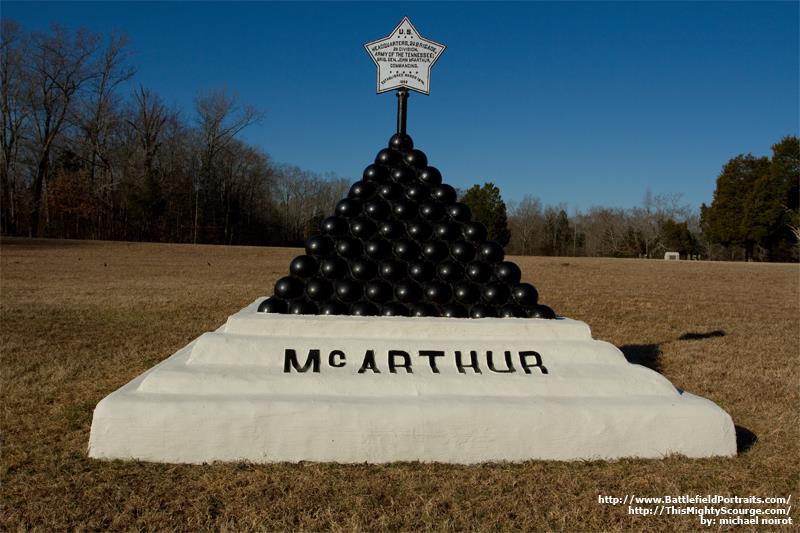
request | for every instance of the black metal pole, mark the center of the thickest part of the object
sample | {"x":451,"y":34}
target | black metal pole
{"x":402,"y":110}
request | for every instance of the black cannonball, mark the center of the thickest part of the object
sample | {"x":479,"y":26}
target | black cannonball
{"x":288,"y":287}
{"x":462,"y":251}
{"x":449,"y":271}
{"x":525,"y":294}
{"x":378,"y":291}
{"x":407,"y":291}
{"x":540,"y":311}
{"x":349,"y":247}
{"x":362,"y":227}
{"x":475,"y":231}
{"x":388,"y":157}
{"x":495,"y":293}
{"x":332,"y":308}
{"x":401,"y":142}
{"x":437,"y":292}
{"x":319,"y":245}
{"x":405,"y":249}
{"x":390,"y":191}
{"x":435,"y":250}
{"x":303,"y":266}
{"x":302,"y":307}
{"x":479,"y":272}
{"x":459,"y":212}
{"x":334,"y":226}
{"x":348,"y":208}
{"x":418,"y":230}
{"x":363,"y":309}
{"x":377,"y":209}
{"x":447,"y":231}
{"x":392,"y":270}
{"x":422,"y":309}
{"x":421,"y":271}
{"x":363,"y":269}
{"x":511,"y":311}
{"x":318,"y":289}
{"x":432,"y":211}
{"x":348,"y":290}
{"x":391,"y":229}
{"x":416,"y":159}
{"x":375,"y":173}
{"x":482,"y":311}
{"x":403,"y":175}
{"x":466,"y":293}
{"x":394,"y":309}
{"x":333,"y":268}
{"x":377,"y":249}
{"x":362,"y":190}
{"x":404,"y":209}
{"x":430,"y":176}
{"x":454,"y":310}
{"x":491,"y":252}
{"x":444,"y":193}
{"x":508,"y":272}
{"x":416,"y":192}
{"x":272,"y":305}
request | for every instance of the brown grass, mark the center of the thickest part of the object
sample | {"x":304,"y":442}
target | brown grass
{"x":80,"y":319}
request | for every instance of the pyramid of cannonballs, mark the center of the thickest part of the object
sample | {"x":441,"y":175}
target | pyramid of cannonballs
{"x":401,"y":245}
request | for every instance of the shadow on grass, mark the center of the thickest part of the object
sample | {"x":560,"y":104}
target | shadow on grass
{"x":745,"y":439}
{"x":692,"y":336}
{"x":643,"y":354}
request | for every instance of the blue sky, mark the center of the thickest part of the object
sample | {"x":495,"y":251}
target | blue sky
{"x":576,"y":103}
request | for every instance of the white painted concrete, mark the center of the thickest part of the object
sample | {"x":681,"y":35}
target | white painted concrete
{"x":227,"y":396}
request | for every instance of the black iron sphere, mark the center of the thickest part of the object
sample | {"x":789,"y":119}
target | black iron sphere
{"x":437,"y":292}
{"x":405,"y":249}
{"x":511,"y":311}
{"x":417,"y":192}
{"x":508,"y":272}
{"x":449,"y":271}
{"x":348,"y":208}
{"x":444,"y":193}
{"x":303,"y":266}
{"x":334,"y":226}
{"x":349,"y":247}
{"x":362,"y":190}
{"x":318,"y":289}
{"x":377,"y":249}
{"x":390,"y":191}
{"x":447,"y":231}
{"x":454,"y":310}
{"x":377,"y":209}
{"x":401,"y":142}
{"x":333,"y":268}
{"x":378,"y":291}
{"x":375,"y":173}
{"x":482,"y":311}
{"x":332,"y":308}
{"x":540,"y":311}
{"x":422,"y":309}
{"x":421,"y":271}
{"x":403,"y":175}
{"x":416,"y":159}
{"x":404,"y":209}
{"x":407,"y":291}
{"x":525,"y":294}
{"x":479,"y":272}
{"x":391,"y":229}
{"x":348,"y":291}
{"x":466,"y":293}
{"x":495,"y":293}
{"x":388,"y":157}
{"x":362,"y":227}
{"x":432,"y":211}
{"x":392,"y":270}
{"x":462,"y":251}
{"x":491,"y":252}
{"x":363,"y":269}
{"x":434,"y":250}
{"x":302,"y":307}
{"x":272,"y":305}
{"x":363,"y":309}
{"x":475,"y":231}
{"x":288,"y":287}
{"x":319,"y":245}
{"x":430,"y":176}
{"x":459,"y":212}
{"x":418,"y":230}
{"x":394,"y":309}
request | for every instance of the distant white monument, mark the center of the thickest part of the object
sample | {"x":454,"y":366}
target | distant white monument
{"x":672,"y":256}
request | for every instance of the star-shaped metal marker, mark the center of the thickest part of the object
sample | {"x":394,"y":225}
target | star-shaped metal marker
{"x":404,"y":59}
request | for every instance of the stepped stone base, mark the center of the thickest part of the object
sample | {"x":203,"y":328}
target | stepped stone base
{"x":266,"y":388}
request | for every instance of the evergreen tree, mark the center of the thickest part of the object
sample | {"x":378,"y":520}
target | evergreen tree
{"x":488,"y":207}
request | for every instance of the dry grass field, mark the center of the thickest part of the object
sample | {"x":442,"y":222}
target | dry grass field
{"x":80,"y":319}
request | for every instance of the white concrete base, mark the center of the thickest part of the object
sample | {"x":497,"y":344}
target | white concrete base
{"x":228,"y":396}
